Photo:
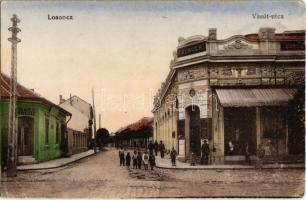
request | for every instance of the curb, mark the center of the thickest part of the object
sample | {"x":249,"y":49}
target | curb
{"x":58,"y":166}
{"x":215,"y":167}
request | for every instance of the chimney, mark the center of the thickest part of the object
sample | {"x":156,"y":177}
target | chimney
{"x":266,"y":33}
{"x":70,"y":99}
{"x":212,"y":34}
{"x":61,"y":100}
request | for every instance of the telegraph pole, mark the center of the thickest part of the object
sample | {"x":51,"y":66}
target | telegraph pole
{"x":12,"y":137}
{"x":99,"y":120}
{"x":94,"y":118}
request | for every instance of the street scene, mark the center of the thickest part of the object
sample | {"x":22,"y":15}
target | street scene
{"x":100,"y":176}
{"x":131,"y":99}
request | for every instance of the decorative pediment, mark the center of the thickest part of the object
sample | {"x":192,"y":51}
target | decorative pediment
{"x":238,"y":44}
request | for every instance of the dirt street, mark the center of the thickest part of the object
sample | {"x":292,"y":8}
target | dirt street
{"x":100,"y":176}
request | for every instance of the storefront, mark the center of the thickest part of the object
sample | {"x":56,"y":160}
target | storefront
{"x":253,"y":117}
{"x":236,"y":93}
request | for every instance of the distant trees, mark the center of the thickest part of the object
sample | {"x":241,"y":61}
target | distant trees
{"x":102,"y":137}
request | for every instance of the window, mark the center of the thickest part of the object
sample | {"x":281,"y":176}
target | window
{"x":57,"y":133}
{"x":47,"y":131}
{"x":274,"y":122}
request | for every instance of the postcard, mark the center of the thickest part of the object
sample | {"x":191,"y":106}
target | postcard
{"x":152,"y":99}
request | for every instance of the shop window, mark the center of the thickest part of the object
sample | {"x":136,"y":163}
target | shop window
{"x":273,"y":122}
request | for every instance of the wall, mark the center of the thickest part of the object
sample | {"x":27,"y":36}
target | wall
{"x":80,"y":113}
{"x":38,"y":111}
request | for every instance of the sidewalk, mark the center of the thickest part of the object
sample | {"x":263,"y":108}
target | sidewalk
{"x":57,"y":162}
{"x":166,"y":164}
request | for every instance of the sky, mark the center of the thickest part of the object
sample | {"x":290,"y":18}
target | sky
{"x":122,"y":49}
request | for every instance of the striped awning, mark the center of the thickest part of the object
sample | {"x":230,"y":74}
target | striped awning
{"x":254,"y":97}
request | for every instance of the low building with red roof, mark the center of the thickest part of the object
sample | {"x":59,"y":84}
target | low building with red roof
{"x":136,"y":134}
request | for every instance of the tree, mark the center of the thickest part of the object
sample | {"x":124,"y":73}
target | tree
{"x":102,"y":137}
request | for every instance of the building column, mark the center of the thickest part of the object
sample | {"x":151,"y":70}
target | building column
{"x":221,"y":153}
{"x":187,"y":134}
{"x":258,"y":126}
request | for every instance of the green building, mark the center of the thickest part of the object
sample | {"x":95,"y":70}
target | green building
{"x":41,"y":125}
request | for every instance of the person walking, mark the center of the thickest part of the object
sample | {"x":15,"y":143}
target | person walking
{"x":156,"y":147}
{"x":205,"y":152}
{"x":151,"y":147}
{"x":139,"y":160}
{"x":247,"y":154}
{"x":145,"y":160}
{"x":161,"y":149}
{"x":128,"y":160}
{"x":173,"y":154}
{"x":152,"y":160}
{"x":134,"y":158}
{"x":121,"y":156}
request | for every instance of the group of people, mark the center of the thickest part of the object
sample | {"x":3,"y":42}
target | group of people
{"x":137,"y":159}
{"x":157,"y":148}
{"x":146,"y":159}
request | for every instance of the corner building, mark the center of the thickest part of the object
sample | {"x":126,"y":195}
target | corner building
{"x":244,"y":90}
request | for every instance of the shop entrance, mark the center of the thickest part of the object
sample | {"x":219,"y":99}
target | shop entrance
{"x":25,"y":136}
{"x":193,"y":116}
{"x":239,"y":130}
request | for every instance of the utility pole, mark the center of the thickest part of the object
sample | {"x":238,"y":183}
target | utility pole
{"x":99,"y":120}
{"x":12,"y":137}
{"x":94,"y":118}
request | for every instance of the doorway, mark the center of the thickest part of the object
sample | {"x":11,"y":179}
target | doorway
{"x":25,"y":136}
{"x":193,"y":114}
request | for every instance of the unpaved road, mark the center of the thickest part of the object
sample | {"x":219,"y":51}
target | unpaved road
{"x":100,"y":176}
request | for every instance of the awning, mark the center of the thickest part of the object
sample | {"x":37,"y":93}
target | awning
{"x":255,"y":97}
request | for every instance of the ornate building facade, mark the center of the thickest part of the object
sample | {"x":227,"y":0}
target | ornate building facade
{"x":233,"y":92}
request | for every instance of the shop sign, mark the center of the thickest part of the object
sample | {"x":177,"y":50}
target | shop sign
{"x":293,"y":46}
{"x":26,"y":111}
{"x":191,"y":49}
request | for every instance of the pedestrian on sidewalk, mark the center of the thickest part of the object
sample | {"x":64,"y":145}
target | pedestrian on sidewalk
{"x":134,"y":158}
{"x":139,"y":159}
{"x":152,"y":160}
{"x":145,"y":160}
{"x":156,"y":147}
{"x":205,"y":153}
{"x":121,"y":156}
{"x":128,"y":160}
{"x":247,"y":154}
{"x":161,"y":149}
{"x":173,"y":154}
{"x":151,"y":147}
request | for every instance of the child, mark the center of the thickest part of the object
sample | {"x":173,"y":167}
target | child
{"x":134,"y":158}
{"x":145,"y":159}
{"x":139,"y":160}
{"x":128,"y":160}
{"x":152,"y":160}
